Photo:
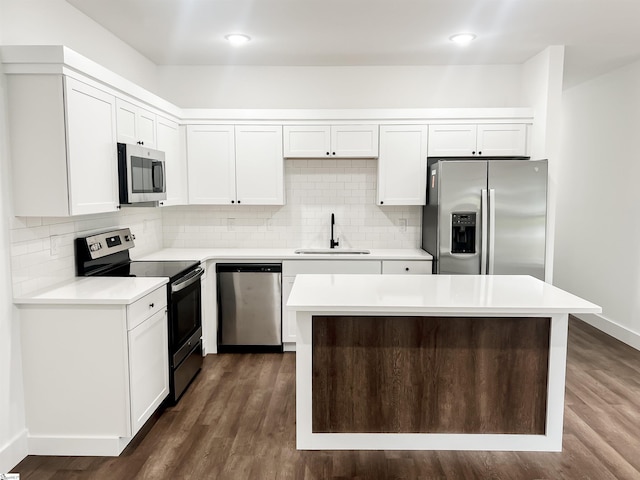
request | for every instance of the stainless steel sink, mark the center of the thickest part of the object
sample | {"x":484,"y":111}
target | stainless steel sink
{"x":331,"y":251}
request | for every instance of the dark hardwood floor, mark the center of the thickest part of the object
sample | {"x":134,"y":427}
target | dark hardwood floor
{"x":237,"y":421}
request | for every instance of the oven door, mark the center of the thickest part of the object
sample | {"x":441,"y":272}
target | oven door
{"x":185,"y":317}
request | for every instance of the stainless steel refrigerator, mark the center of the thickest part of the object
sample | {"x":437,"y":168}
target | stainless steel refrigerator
{"x":486,"y":217}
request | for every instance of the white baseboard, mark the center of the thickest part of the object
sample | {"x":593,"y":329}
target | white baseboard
{"x":77,"y":446}
{"x":609,"y":327}
{"x":13,"y":452}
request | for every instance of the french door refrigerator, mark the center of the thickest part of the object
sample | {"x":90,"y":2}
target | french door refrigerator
{"x":486,"y":217}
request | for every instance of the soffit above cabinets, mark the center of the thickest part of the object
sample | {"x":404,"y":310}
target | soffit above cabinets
{"x":58,"y":59}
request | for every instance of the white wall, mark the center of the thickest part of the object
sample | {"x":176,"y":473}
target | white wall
{"x":342,"y":87}
{"x":597,"y":248}
{"x":24,"y":243}
{"x":13,"y":444}
{"x":314,"y":190}
{"x":55,"y":22}
{"x":542,"y":84}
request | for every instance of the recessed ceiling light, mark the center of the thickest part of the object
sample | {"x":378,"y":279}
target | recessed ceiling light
{"x":462,"y":38}
{"x":237,"y":39}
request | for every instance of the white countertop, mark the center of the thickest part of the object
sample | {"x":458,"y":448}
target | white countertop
{"x":203,"y":254}
{"x":445,"y":294}
{"x":96,"y":291}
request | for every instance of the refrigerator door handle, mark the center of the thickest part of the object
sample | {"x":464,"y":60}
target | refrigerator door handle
{"x":492,"y":230}
{"x":485,"y":228}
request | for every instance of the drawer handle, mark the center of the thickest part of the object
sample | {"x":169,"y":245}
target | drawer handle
{"x":406,"y":269}
{"x":151,"y":305}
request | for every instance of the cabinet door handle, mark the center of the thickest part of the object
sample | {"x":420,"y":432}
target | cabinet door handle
{"x":406,"y":269}
{"x":151,"y":305}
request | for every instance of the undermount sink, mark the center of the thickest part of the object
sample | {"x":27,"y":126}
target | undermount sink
{"x":331,"y":251}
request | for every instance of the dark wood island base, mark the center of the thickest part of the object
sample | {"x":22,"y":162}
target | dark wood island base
{"x":429,"y":374}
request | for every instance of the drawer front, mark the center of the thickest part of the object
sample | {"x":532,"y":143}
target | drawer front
{"x":406,"y":267}
{"x":294,"y":267}
{"x":148,"y":305}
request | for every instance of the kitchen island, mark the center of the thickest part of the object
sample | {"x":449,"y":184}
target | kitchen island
{"x":433,"y":362}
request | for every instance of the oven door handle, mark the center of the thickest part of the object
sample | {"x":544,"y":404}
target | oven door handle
{"x":187,"y":280}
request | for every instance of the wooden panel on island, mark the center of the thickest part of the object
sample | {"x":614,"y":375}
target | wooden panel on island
{"x":416,"y":374}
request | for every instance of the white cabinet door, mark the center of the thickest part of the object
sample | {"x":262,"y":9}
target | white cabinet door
{"x":331,"y":141}
{"x":135,"y":124}
{"x":402,"y":165}
{"x":487,"y":140}
{"x":259,"y":165}
{"x":91,"y":149}
{"x":406,"y":267}
{"x":288,"y":315}
{"x":452,"y":140}
{"x":171,"y":141}
{"x":307,"y":141}
{"x":148,"y":368}
{"x":502,"y":140}
{"x":211,"y":164}
{"x":354,"y":141}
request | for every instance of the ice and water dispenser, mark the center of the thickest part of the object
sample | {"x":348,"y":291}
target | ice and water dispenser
{"x":463,"y":232}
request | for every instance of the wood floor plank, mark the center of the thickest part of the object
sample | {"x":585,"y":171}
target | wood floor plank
{"x":237,"y":421}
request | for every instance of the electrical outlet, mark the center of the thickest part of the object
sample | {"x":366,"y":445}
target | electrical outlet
{"x":231,"y":224}
{"x":55,"y":241}
{"x":269,"y":224}
{"x":403,"y":224}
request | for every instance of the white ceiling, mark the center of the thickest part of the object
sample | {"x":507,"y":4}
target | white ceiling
{"x":598,"y":34}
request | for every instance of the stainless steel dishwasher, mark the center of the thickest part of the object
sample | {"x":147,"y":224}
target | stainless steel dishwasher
{"x":249,"y":307}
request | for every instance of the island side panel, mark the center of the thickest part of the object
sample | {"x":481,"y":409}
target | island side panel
{"x":429,"y":374}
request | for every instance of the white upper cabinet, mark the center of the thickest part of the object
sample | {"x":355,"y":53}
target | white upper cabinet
{"x":172,"y":141}
{"x":402,"y":166}
{"x":477,"y":140}
{"x":235,"y":165}
{"x":259,"y":165}
{"x":502,"y":140}
{"x":211,"y":165}
{"x":136,"y":125}
{"x":331,"y":141}
{"x":307,"y":141}
{"x":63,"y":137}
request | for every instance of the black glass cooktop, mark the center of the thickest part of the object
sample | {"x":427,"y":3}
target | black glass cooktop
{"x":171,"y":269}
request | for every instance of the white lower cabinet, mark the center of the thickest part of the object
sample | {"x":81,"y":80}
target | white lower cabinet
{"x":93,"y":374}
{"x":148,"y":377}
{"x":406,"y":267}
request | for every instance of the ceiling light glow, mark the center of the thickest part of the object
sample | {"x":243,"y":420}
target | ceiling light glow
{"x":462,"y":39}
{"x":237,"y":39}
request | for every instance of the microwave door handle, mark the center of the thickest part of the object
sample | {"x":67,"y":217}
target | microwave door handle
{"x":160,"y":185}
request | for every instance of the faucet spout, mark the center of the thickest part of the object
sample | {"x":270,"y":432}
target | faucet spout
{"x":333,"y":243}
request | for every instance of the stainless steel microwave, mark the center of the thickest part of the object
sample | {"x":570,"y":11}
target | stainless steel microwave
{"x":141,"y":174}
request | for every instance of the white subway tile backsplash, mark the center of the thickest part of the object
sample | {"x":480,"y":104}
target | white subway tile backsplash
{"x":314,"y":190}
